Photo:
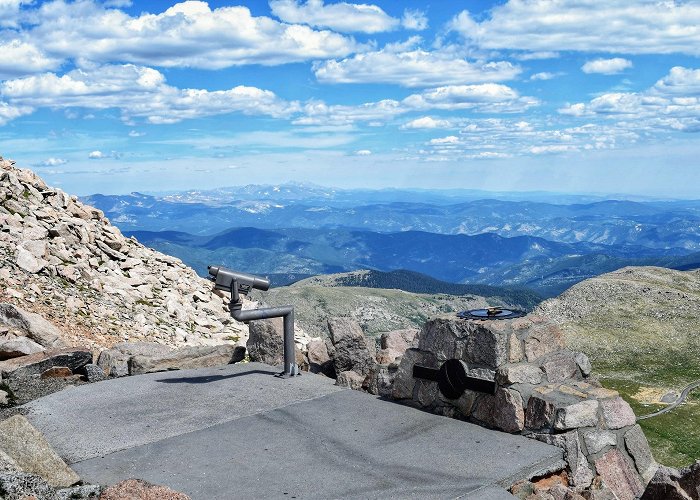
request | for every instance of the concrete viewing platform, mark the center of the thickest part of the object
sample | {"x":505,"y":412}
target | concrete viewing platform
{"x":238,"y":432}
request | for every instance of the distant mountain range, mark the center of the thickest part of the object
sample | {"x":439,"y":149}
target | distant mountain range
{"x":290,"y":232}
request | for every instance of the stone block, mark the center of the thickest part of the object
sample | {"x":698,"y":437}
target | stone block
{"x":83,"y":492}
{"x":439,"y":336}
{"x":618,"y":475}
{"x":617,"y":413}
{"x":426,"y":393}
{"x":584,"y":364}
{"x":351,"y":349}
{"x":638,"y":448}
{"x":37,"y":363}
{"x":598,"y":439}
{"x":465,"y":403}
{"x":559,"y":366}
{"x":486,"y":346}
{"x":394,"y":344}
{"x":115,"y":361}
{"x":579,"y":472}
{"x":542,"y":339}
{"x":581,"y":414}
{"x":515,"y":349}
{"x":32,"y":453}
{"x":350,"y":379}
{"x":503,"y":411}
{"x":519,"y":373}
{"x":319,"y":358}
{"x":404,"y":382}
{"x":93,"y":373}
{"x":539,"y":413}
{"x":186,"y":358}
{"x":381,"y":380}
{"x":265,"y":341}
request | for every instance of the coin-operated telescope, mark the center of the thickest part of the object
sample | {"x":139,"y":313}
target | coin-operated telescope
{"x":238,"y":284}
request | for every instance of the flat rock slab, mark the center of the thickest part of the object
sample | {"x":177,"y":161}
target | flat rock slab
{"x":238,"y":432}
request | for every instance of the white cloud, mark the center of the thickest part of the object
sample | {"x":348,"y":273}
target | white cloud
{"x":97,"y":155}
{"x":412,"y":68}
{"x":363,"y":152}
{"x":450,"y":139}
{"x":9,"y":11}
{"x":342,"y":16}
{"x":545,"y":75}
{"x":188,"y":34}
{"x":606,"y":66}
{"x":139,"y":92}
{"x":617,"y":26}
{"x":54,"y":162}
{"x":551,"y":149}
{"x":427,"y":122}
{"x":414,"y":20}
{"x":9,"y":112}
{"x":134,"y":133}
{"x":672,"y":103}
{"x":18,"y":58}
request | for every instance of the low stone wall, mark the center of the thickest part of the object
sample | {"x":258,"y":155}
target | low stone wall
{"x":544,"y":392}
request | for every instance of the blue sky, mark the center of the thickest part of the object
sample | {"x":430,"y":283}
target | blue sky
{"x":569,"y":96}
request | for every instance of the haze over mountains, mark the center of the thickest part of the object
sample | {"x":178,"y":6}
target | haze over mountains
{"x":293,"y":231}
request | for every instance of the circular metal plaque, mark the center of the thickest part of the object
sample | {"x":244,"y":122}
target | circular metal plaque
{"x":491,"y":313}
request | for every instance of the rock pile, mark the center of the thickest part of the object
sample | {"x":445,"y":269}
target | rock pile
{"x":64,"y":261}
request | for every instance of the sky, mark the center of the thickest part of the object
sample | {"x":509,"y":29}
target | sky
{"x":571,"y":96}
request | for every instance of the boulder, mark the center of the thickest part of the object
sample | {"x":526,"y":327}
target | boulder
{"x":141,"y":490}
{"x":404,"y":383}
{"x":32,"y":453}
{"x":350,"y":345}
{"x":689,"y":480}
{"x":618,"y":475}
{"x":266,"y":341}
{"x":115,"y":361}
{"x":559,"y":366}
{"x":638,"y":448}
{"x":519,"y":373}
{"x":36,"y":327}
{"x":394,"y":344}
{"x":350,"y":379}
{"x":37,"y":363}
{"x":186,"y":358}
{"x":25,"y":486}
{"x":617,"y":413}
{"x":504,"y":410}
{"x":319,"y":358}
{"x":581,"y":414}
{"x":14,"y":347}
{"x":93,"y":373}
{"x":664,"y":486}
{"x":598,"y":439}
{"x":85,"y":491}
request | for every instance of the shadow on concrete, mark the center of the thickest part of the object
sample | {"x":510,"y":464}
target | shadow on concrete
{"x":204,"y":379}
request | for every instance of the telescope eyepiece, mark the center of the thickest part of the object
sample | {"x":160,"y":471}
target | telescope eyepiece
{"x":224,"y":279}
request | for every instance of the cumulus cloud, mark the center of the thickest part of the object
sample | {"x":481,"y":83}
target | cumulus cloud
{"x":363,"y":152}
{"x":450,"y":139}
{"x":9,"y":112}
{"x":9,"y":11}
{"x":484,"y":98}
{"x":544,"y":75}
{"x":414,"y":20}
{"x":96,"y":155}
{"x":139,"y":92}
{"x":672,"y":103}
{"x":188,"y":34}
{"x":342,"y":16}
{"x":412,"y":68}
{"x":617,"y":26}
{"x":18,"y":58}
{"x":606,"y":66}
{"x":427,"y":122}
{"x":54,"y":162}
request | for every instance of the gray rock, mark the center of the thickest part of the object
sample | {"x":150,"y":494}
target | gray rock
{"x":93,"y":373}
{"x":618,"y":475}
{"x":580,"y":474}
{"x":319,"y":358}
{"x":404,"y":383}
{"x":38,"y":363}
{"x":32,"y":453}
{"x":690,"y":480}
{"x":596,"y":440}
{"x":486,"y":345}
{"x":503,"y":411}
{"x":664,"y":486}
{"x":381,"y":380}
{"x":4,"y":397}
{"x":617,"y":413}
{"x":28,"y":262}
{"x":266,"y":341}
{"x":559,"y":366}
{"x":351,"y":380}
{"x":581,"y":414}
{"x":24,"y":486}
{"x":187,"y":358}
{"x":18,"y":346}
{"x":115,"y":361}
{"x":394,"y":344}
{"x":350,"y":345}
{"x":584,"y":364}
{"x":539,"y":413}
{"x":36,"y":327}
{"x":7,"y":463}
{"x":84,"y":492}
{"x":519,"y":373}
{"x":638,"y":448}
{"x":542,"y":339}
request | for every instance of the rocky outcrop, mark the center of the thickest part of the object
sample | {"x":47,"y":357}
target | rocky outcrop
{"x":673,"y":484}
{"x":36,"y":364}
{"x":69,"y":277}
